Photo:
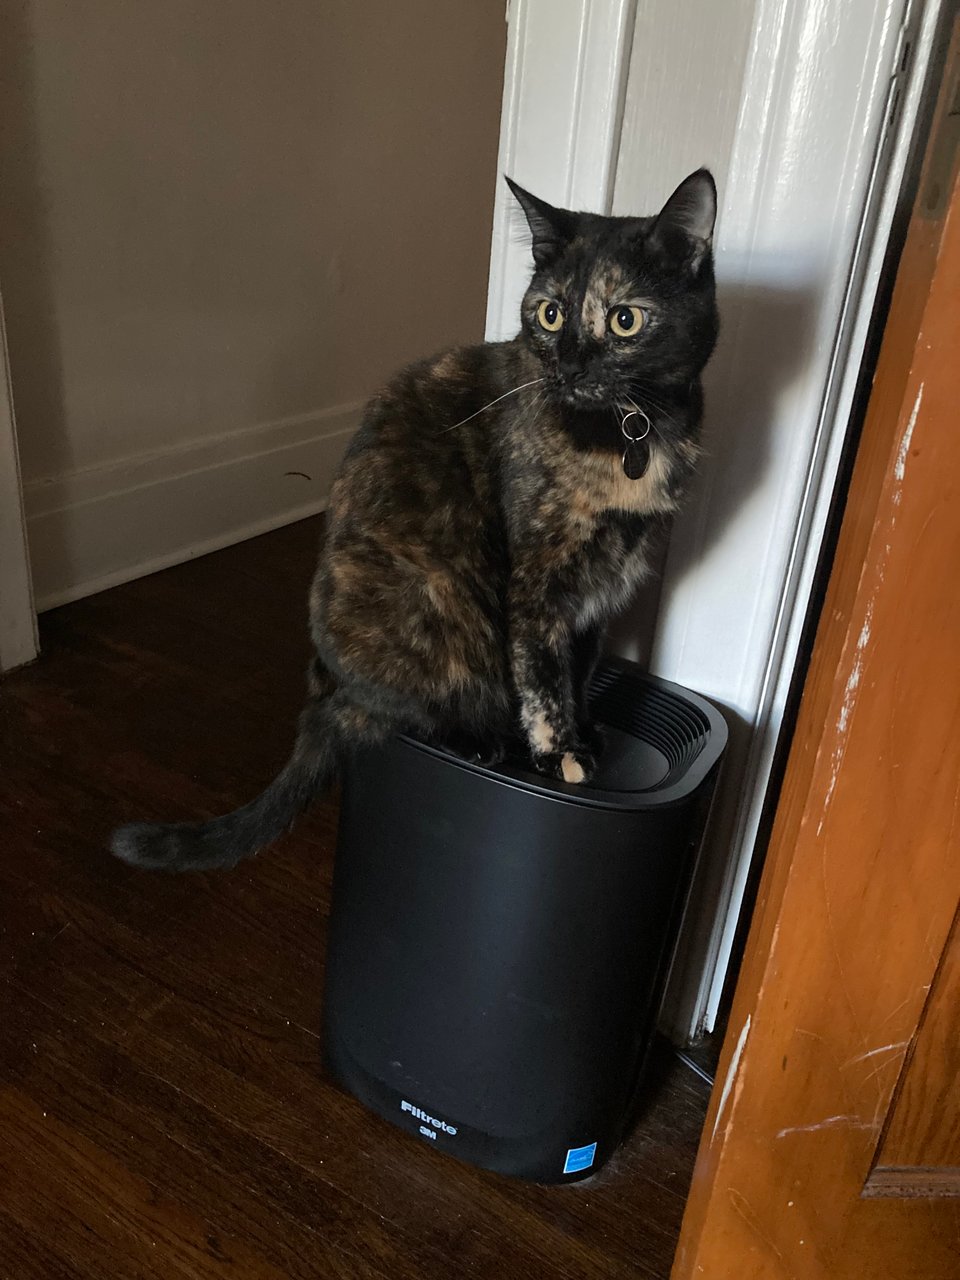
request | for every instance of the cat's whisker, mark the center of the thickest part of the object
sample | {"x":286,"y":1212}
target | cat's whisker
{"x":659,"y":404}
{"x":536,"y":409}
{"x":485,"y":407}
{"x":526,"y":411}
{"x":661,"y":409}
{"x":633,"y":407}
{"x":649,"y":416}
{"x":531,"y":411}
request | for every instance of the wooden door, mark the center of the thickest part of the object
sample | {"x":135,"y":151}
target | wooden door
{"x":832,"y":1145}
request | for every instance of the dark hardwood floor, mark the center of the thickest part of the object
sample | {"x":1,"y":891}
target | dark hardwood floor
{"x":163,"y":1111}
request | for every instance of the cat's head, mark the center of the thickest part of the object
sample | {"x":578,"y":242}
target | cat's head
{"x":619,"y":304}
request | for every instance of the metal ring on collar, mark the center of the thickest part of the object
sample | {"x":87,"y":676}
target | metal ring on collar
{"x":635,"y":413}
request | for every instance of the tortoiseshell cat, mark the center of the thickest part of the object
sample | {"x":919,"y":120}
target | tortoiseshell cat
{"x":494,"y":509}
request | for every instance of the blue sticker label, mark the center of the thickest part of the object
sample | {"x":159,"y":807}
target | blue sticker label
{"x":579,"y":1158}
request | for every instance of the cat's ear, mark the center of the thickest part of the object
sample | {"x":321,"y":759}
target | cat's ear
{"x":552,"y":229}
{"x":685,"y":223}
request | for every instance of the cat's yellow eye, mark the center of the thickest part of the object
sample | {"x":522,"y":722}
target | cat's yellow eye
{"x":550,"y":316}
{"x":626,"y":322}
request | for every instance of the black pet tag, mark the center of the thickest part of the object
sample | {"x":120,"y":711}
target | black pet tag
{"x":636,"y":451}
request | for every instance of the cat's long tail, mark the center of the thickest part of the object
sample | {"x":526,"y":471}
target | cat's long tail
{"x":223,"y":842}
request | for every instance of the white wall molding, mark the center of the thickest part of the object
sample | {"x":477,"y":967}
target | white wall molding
{"x":101,"y":526}
{"x":683,"y":97}
{"x":18,"y":620}
{"x":563,"y":96}
{"x":789,"y":100}
{"x":814,"y":180}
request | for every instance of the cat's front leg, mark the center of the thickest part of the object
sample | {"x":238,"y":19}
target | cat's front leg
{"x":541,"y":661}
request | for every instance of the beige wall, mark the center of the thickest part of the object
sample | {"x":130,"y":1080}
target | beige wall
{"x":216,"y":215}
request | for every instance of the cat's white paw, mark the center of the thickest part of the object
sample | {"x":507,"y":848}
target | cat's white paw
{"x":568,"y":766}
{"x":571,"y":768}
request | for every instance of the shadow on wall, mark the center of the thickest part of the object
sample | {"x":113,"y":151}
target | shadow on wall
{"x":767,"y":335}
{"x":764,"y":337}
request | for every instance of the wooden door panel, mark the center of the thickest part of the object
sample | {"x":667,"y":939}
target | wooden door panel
{"x":834,"y":1120}
{"x":920,"y":1151}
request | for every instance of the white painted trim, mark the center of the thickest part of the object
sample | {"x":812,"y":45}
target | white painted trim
{"x":96,"y":528}
{"x":798,"y":248}
{"x":811,"y":197}
{"x":881,"y":209}
{"x":563,"y":94}
{"x":18,"y":620}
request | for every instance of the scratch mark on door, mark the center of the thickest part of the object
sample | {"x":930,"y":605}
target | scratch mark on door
{"x":731,"y":1075}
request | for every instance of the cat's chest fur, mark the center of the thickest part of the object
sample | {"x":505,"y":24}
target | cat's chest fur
{"x":593,"y":512}
{"x":578,"y":488}
{"x":596,"y":484}
{"x":588,"y":526}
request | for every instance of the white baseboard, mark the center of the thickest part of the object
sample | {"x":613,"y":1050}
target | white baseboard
{"x":93,"y":529}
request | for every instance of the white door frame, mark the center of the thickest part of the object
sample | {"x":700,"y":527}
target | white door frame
{"x":18,"y":619}
{"x":788,"y":527}
{"x":807,"y":204}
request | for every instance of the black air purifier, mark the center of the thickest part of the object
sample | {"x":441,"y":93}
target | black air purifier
{"x":498,"y":941}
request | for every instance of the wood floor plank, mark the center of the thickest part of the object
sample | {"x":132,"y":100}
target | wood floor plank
{"x":177,"y":1145}
{"x":311,"y":1135}
{"x":62,"y":1186}
{"x":210,"y":1043}
{"x":28,"y":1255}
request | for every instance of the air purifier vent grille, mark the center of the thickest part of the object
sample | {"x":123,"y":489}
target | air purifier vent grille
{"x":677,"y":729}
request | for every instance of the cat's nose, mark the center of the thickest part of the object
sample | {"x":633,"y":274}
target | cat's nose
{"x":572,"y":373}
